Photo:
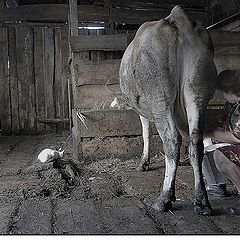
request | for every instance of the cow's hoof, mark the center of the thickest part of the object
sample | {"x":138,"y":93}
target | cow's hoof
{"x":202,"y":209}
{"x":162,"y":207}
{"x":143,"y":167}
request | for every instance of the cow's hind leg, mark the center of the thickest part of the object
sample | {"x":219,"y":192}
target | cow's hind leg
{"x":195,"y":120}
{"x":171,"y":142}
{"x":145,"y":159}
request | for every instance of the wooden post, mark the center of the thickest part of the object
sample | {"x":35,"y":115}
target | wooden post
{"x":73,"y":17}
{"x":73,"y":31}
{"x":2,"y":3}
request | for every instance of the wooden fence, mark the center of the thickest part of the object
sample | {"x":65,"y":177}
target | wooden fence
{"x":33,"y":79}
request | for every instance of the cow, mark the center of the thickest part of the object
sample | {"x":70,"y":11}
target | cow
{"x":168,"y":76}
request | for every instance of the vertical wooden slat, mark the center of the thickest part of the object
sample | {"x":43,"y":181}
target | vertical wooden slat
{"x":85,"y":55}
{"x":13,"y":79}
{"x":73,"y":17}
{"x":65,"y":71}
{"x":39,"y":77}
{"x":26,"y":84}
{"x":49,"y":74}
{"x":5,"y":105}
{"x":93,"y":54}
{"x":58,"y":77}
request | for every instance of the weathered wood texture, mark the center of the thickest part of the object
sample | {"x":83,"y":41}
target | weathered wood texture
{"x":106,"y":123}
{"x":104,"y":72}
{"x":100,"y":42}
{"x":34,"y":71}
{"x":52,"y":12}
{"x":5,"y":101}
{"x":222,"y":40}
{"x":113,"y":123}
{"x":139,"y":16}
{"x":59,"y":13}
{"x":157,"y":4}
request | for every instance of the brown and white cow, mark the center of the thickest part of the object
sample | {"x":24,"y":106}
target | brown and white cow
{"x":167,"y":75}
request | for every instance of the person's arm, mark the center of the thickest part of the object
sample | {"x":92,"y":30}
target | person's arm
{"x":223,"y":136}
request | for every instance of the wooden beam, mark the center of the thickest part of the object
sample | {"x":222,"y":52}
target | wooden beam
{"x":105,"y":72}
{"x":107,"y":123}
{"x":139,"y":16}
{"x":73,"y":17}
{"x":52,"y":12}
{"x":225,"y":38}
{"x":158,"y":4}
{"x":100,"y":42}
{"x":5,"y":97}
{"x":221,"y":39}
{"x":227,"y":62}
{"x":53,"y":120}
{"x":2,"y":3}
{"x":59,"y":13}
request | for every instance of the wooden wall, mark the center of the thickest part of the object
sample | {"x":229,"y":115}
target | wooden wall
{"x":33,"y":78}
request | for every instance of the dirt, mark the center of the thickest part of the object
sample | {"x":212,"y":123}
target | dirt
{"x":108,"y":197}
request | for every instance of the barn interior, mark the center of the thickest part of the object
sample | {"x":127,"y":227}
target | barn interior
{"x":59,"y":63}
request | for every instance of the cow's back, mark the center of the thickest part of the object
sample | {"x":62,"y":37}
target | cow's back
{"x":148,"y":68}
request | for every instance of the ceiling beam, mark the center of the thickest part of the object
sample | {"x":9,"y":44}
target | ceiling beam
{"x":59,"y":13}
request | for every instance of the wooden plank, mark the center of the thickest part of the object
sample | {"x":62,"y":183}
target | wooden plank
{"x":225,"y":38}
{"x":138,"y":16}
{"x":52,"y":12}
{"x":13,"y":79}
{"x":101,"y":55}
{"x":100,"y":42}
{"x":59,"y":12}
{"x":2,"y":3}
{"x":227,"y":50}
{"x":54,"y":121}
{"x":77,"y":137}
{"x":61,"y":76}
{"x":49,"y":62}
{"x":227,"y":62}
{"x":27,"y":107}
{"x":105,"y":72}
{"x":58,"y":74}
{"x":93,"y":53}
{"x":65,"y":72}
{"x":95,"y":97}
{"x":159,"y":4}
{"x":73,"y":17}
{"x":39,"y":77}
{"x":107,"y":123}
{"x":5,"y":102}
{"x":222,"y":40}
{"x":84,"y":54}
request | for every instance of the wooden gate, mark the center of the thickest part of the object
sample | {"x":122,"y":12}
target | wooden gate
{"x":33,"y":79}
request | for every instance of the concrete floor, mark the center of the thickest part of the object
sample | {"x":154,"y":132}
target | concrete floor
{"x":110,"y":196}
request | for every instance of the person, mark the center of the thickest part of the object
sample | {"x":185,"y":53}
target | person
{"x":223,"y":163}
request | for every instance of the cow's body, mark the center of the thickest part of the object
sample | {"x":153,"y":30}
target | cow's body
{"x":167,"y":74}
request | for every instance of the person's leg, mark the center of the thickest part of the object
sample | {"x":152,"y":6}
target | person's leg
{"x":232,"y":171}
{"x":216,"y":181}
{"x":228,"y":168}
